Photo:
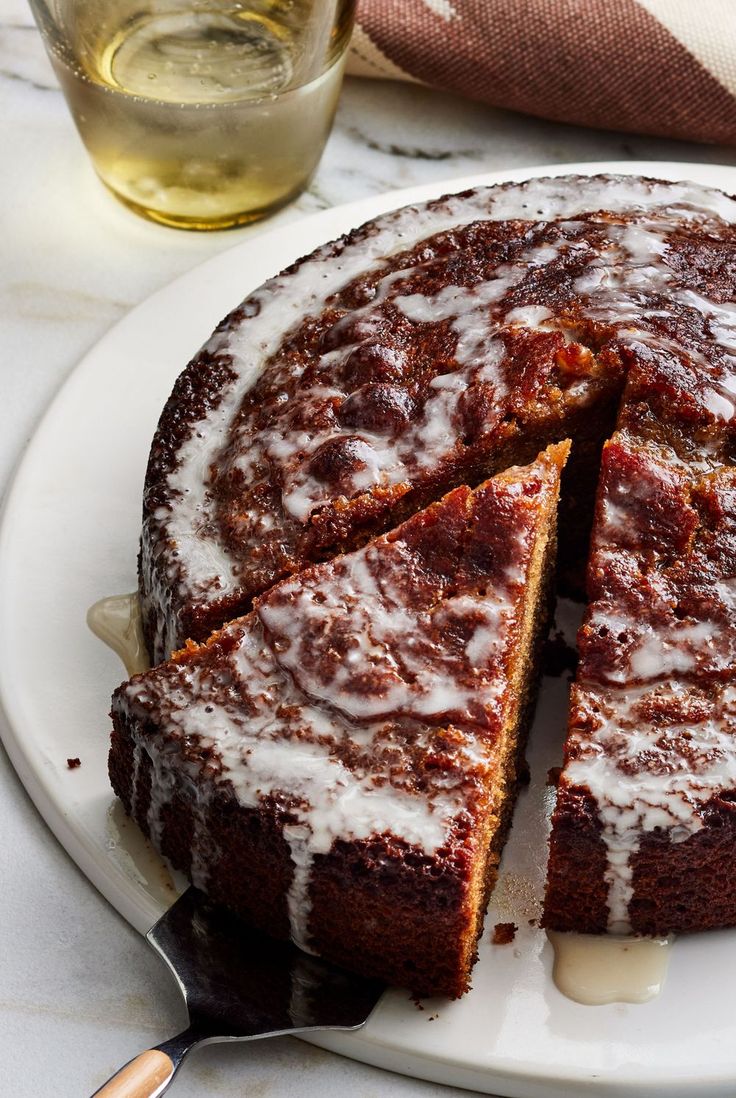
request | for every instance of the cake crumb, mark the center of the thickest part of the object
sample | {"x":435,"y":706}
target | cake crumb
{"x":73,"y":763}
{"x":503,"y":933}
{"x":553,"y":775}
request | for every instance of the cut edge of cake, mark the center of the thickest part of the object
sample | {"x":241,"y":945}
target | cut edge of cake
{"x":376,"y":903}
{"x":644,"y":829}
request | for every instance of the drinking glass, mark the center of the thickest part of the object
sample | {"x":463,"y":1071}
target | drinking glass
{"x":200,"y":114}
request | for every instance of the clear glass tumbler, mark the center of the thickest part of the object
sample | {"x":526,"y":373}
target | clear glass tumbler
{"x":200,"y":114}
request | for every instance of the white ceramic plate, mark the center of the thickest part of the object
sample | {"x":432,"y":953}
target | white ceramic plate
{"x":69,"y":536}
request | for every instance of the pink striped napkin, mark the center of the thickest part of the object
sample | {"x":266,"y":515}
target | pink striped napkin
{"x":651,"y":66}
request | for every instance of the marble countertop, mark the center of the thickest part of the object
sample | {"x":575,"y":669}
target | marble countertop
{"x":79,"y":990}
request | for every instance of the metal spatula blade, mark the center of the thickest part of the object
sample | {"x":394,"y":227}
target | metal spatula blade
{"x":238,"y":985}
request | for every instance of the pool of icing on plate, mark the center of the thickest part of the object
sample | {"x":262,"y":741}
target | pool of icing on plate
{"x":595,"y":969}
{"x":131,"y":849}
{"x":116,"y":620}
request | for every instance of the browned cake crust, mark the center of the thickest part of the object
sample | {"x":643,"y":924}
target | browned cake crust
{"x":457,"y":600}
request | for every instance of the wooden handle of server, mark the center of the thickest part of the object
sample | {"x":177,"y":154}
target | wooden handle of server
{"x":145,"y":1077}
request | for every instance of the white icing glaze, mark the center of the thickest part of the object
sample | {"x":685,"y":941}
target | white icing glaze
{"x":116,"y":620}
{"x":285,"y":747}
{"x":657,"y":655}
{"x":281,"y":303}
{"x":412,"y":671}
{"x":528,"y":316}
{"x":163,"y":785}
{"x":646,"y":775}
{"x":595,"y":969}
{"x":682,"y":647}
{"x":134,"y":778}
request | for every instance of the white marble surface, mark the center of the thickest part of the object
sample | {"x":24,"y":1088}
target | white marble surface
{"x":79,"y":991}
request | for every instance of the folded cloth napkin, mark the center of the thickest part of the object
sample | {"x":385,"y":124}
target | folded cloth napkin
{"x":649,"y":66}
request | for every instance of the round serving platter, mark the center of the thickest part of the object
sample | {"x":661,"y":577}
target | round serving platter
{"x":69,"y":536}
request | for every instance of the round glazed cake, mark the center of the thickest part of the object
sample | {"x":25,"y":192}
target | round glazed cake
{"x":436,"y":347}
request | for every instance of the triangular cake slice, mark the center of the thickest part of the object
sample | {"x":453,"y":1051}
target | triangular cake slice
{"x":644,"y":831}
{"x":340,"y":764}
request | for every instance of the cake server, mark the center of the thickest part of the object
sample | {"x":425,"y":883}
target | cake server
{"x":238,"y":985}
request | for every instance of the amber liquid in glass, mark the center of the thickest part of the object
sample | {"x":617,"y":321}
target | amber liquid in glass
{"x":205,"y":116}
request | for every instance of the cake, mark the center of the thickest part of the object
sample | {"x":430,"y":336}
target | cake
{"x":644,"y":830}
{"x":420,"y":355}
{"x":432,"y":347}
{"x":339,"y":765}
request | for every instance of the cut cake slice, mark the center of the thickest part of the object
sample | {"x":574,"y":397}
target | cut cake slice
{"x":644,"y":831}
{"x":340,"y":764}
